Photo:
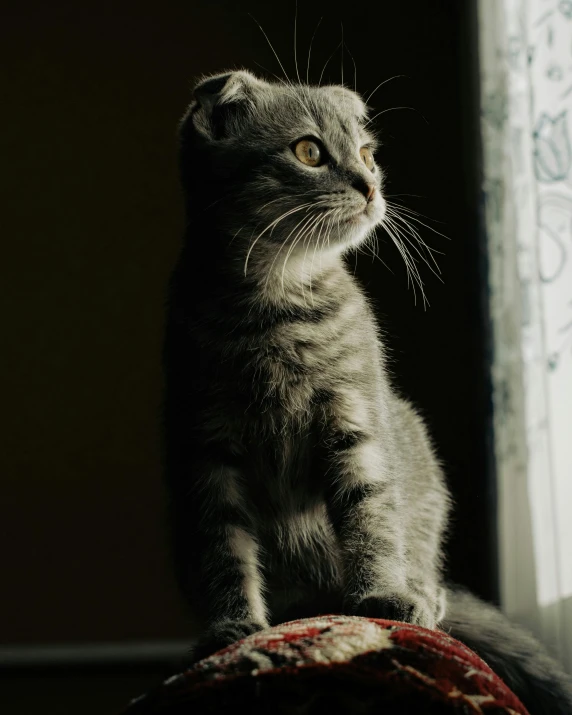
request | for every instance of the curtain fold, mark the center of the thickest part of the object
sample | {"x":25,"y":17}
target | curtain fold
{"x":525,"y":56}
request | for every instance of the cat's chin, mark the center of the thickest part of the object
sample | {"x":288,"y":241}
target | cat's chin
{"x":357,"y":230}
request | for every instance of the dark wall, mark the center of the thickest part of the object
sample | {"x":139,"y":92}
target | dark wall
{"x":92,"y":220}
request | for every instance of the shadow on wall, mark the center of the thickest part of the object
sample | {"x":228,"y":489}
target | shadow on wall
{"x":94,"y":218}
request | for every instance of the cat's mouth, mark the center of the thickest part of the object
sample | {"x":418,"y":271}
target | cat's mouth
{"x":360,"y":222}
{"x":366,"y":214}
{"x":357,"y":217}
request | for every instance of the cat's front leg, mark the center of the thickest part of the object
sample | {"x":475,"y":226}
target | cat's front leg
{"x":233,"y":580}
{"x":365,"y":506}
{"x":368,"y":527}
{"x":227,"y":582}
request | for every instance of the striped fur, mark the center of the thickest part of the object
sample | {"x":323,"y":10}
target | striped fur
{"x":301,"y":482}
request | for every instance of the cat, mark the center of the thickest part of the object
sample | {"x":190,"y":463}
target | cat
{"x":301,"y":483}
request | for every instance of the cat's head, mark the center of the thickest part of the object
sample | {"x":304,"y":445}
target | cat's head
{"x":281,"y":164}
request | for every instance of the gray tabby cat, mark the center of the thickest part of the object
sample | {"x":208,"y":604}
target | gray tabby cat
{"x":301,"y":482}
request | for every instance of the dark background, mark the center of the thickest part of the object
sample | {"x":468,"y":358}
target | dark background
{"x":90,"y":227}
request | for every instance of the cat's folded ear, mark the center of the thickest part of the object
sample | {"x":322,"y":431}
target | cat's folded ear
{"x":222,"y":103}
{"x":352,"y":102}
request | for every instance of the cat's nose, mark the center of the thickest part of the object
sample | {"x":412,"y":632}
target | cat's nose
{"x":365,"y":188}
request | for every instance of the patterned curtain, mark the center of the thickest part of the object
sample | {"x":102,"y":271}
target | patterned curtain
{"x":525,"y":57}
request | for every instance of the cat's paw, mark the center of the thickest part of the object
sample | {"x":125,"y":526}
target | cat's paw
{"x":440,"y":604}
{"x":400,"y":607}
{"x":220,"y":635}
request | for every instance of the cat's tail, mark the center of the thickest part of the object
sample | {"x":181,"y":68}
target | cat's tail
{"x":515,"y":655}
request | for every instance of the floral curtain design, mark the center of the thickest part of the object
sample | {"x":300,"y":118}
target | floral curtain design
{"x":525,"y":49}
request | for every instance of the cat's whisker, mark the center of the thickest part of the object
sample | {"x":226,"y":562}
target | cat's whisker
{"x":406,"y":256}
{"x":328,"y":229}
{"x":236,"y":234}
{"x":270,"y":45}
{"x":413,"y":217}
{"x":405,"y":218}
{"x":338,"y":216}
{"x":417,"y":196}
{"x":319,"y":241}
{"x":288,"y":84}
{"x":412,"y":270}
{"x":339,"y":213}
{"x":327,"y":62}
{"x":428,"y":260}
{"x":320,"y":252}
{"x":403,"y":234}
{"x":335,"y":213}
{"x":294,"y":95}
{"x":284,"y":242}
{"x":293,"y":90}
{"x":392,"y":109}
{"x":415,"y":233}
{"x":375,"y":246}
{"x":342,"y":52}
{"x":355,"y":262}
{"x":312,"y":267}
{"x":374,"y":255}
{"x":307,"y":243}
{"x":271,"y":226}
{"x":322,"y":242}
{"x":214,"y":203}
{"x":371,"y":244}
{"x":292,"y":247}
{"x":411,"y":281}
{"x":287,"y":213}
{"x":310,"y":50}
{"x":407,"y":242}
{"x":355,"y":67}
{"x":311,"y":98}
{"x":260,"y":208}
{"x":320,"y":224}
{"x":299,"y":236}
{"x":269,"y":271}
{"x":385,"y":81}
{"x":296,"y":42}
{"x":308,"y":238}
{"x":366,"y":245}
{"x":284,"y":198}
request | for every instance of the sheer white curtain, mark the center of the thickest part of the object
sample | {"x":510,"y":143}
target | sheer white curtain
{"x":525,"y":54}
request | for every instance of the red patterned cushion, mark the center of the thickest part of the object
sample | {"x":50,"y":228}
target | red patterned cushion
{"x":336,"y":664}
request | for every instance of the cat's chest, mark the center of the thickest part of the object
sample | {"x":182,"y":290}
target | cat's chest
{"x":285,"y":373}
{"x":298,"y":360}
{"x":288,"y":372}
{"x":287,"y":475}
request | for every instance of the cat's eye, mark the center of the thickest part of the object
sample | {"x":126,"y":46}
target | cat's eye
{"x":309,"y":152}
{"x":367,"y":157}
